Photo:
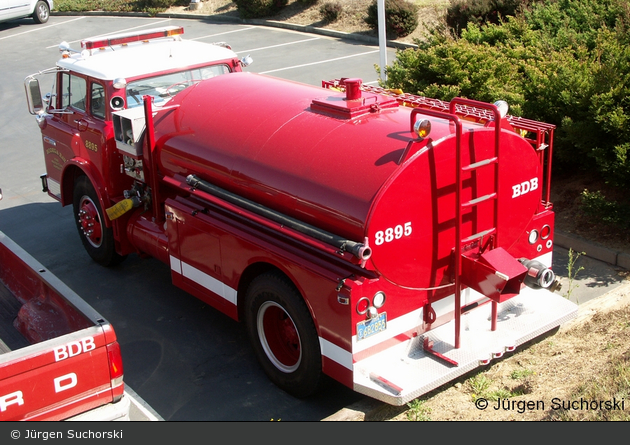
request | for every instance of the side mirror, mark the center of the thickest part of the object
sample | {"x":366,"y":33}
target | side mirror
{"x":246,"y":61}
{"x":33,"y":96}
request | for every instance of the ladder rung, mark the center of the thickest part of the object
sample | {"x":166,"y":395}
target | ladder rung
{"x":479,"y":200}
{"x":480,"y":164}
{"x":479,"y":235}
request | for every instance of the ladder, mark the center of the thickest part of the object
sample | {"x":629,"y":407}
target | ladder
{"x":487,"y":262}
{"x":479,"y":167}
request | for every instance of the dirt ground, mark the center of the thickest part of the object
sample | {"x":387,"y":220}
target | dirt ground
{"x":540,"y":382}
{"x":537,"y":382}
{"x":351,"y":19}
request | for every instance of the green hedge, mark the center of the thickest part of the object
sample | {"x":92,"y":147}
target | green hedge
{"x":566,"y":62}
{"x":461,"y":12}
{"x":151,"y":6}
{"x":252,"y":9}
{"x":401,"y":17}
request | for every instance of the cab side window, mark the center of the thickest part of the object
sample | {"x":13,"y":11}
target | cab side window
{"x":97,"y":100}
{"x":74,"y":92}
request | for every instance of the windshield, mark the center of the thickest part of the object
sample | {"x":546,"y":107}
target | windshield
{"x":162,"y":88}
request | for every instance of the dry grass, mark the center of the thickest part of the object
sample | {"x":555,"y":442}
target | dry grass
{"x":581,"y":373}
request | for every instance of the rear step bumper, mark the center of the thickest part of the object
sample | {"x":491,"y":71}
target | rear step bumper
{"x":406,"y":371}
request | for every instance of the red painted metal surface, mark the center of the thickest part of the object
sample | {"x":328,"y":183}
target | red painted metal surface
{"x":261,"y":138}
{"x":69,"y":362}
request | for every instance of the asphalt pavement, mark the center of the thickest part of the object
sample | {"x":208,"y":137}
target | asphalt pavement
{"x":594,"y":274}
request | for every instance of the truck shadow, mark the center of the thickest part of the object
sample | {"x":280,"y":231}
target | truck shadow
{"x":183,"y":357}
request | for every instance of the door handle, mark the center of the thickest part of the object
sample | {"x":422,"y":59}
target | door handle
{"x":82,"y":124}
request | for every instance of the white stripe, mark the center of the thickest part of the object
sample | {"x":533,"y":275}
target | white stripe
{"x":321,"y":61}
{"x":221,"y":33}
{"x":335,"y":353}
{"x":276,"y":46}
{"x":203,"y":279}
{"x":40,"y":28}
{"x":176,"y":265}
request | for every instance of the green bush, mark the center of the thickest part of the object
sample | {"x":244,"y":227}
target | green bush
{"x":597,"y":207}
{"x":330,"y":11}
{"x":565,"y":62}
{"x":251,"y":9}
{"x":461,"y":12}
{"x":95,"y":5}
{"x":401,"y":17}
{"x":150,"y":6}
{"x":161,"y":4}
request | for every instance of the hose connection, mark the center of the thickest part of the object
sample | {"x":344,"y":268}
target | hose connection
{"x":540,"y":276}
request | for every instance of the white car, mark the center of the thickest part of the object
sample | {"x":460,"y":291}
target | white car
{"x":39,"y":10}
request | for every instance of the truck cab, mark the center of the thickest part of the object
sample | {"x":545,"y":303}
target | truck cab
{"x":90,"y":84}
{"x":108,"y":74}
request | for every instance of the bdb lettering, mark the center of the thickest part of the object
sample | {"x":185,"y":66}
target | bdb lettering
{"x":74,"y":348}
{"x":524,"y":187}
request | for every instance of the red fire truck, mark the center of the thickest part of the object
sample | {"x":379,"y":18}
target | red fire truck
{"x":388,"y":241}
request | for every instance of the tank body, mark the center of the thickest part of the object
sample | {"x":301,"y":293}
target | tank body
{"x":312,"y":154}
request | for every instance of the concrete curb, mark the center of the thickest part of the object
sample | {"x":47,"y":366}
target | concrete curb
{"x":259,"y":22}
{"x":593,"y":250}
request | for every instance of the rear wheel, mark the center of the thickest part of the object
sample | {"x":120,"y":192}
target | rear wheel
{"x":283,"y":335}
{"x":97,"y":238}
{"x":41,"y":14}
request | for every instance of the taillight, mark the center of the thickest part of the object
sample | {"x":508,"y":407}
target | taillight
{"x":115,"y":370}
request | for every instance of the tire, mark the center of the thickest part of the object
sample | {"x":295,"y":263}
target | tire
{"x":41,"y":14}
{"x":283,"y":336}
{"x":97,"y":238}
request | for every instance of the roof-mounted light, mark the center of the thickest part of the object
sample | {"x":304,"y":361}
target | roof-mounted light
{"x":121,"y":39}
{"x":502,"y":107}
{"x":422,"y":128}
{"x":222,"y":45}
{"x":119,"y":83}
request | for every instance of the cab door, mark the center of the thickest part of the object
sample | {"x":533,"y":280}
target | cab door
{"x":75,"y":128}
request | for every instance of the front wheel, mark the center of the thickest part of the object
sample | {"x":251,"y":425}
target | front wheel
{"x":97,"y":238}
{"x":41,"y":12}
{"x":283,"y":335}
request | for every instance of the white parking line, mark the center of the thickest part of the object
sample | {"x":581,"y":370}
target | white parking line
{"x":146,"y":412}
{"x":320,"y":62}
{"x":222,"y":33}
{"x":41,"y":28}
{"x":276,"y":46}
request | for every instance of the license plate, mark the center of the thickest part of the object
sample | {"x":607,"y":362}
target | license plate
{"x":368,"y":328}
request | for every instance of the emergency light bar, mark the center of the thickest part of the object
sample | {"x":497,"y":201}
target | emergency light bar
{"x":121,"y":39}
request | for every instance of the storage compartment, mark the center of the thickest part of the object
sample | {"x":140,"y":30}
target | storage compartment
{"x":128,"y":128}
